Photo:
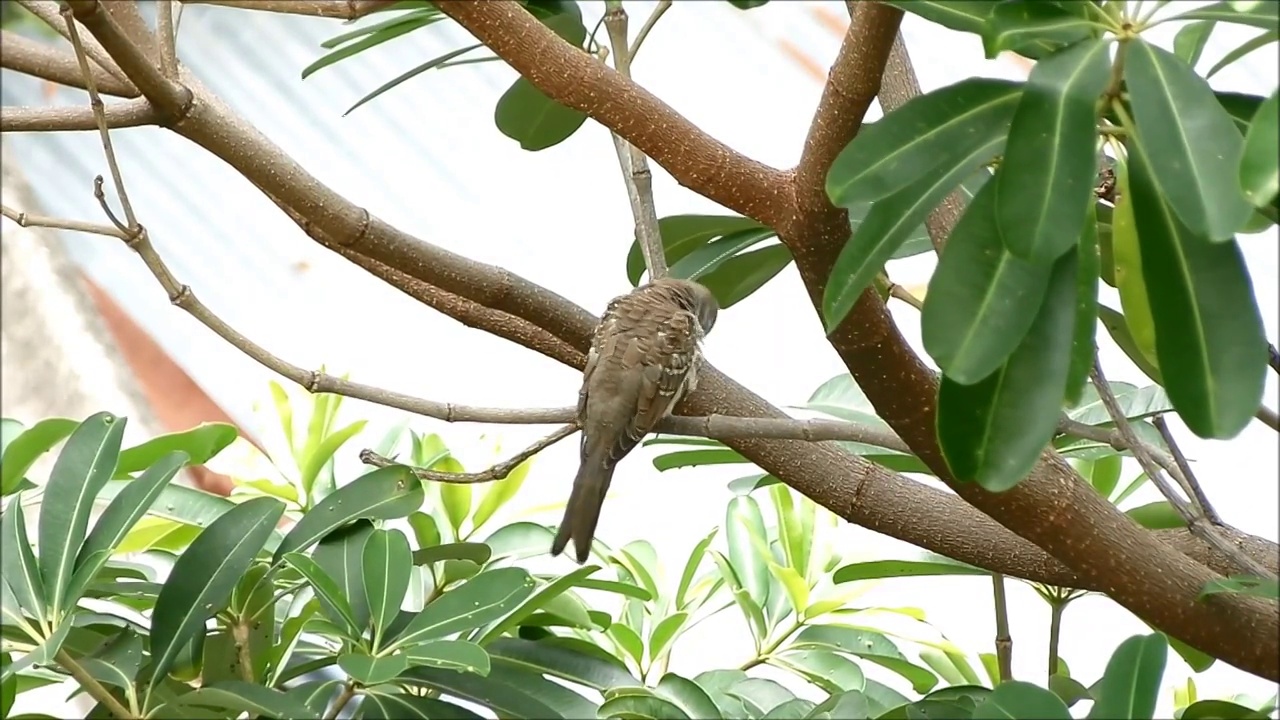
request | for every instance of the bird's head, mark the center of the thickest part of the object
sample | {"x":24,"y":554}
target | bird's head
{"x":695,"y":298}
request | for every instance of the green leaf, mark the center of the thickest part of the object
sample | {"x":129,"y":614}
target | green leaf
{"x":1035,"y":28}
{"x":24,"y":589}
{"x":121,"y":515}
{"x":330,"y":597}
{"x":795,"y":530}
{"x":1050,"y":164}
{"x":627,"y":641}
{"x":1188,"y":141}
{"x":1158,"y":515}
{"x":797,"y":589}
{"x":369,"y":670}
{"x":384,"y":494}
{"x":1119,"y":331}
{"x":1219,"y":710}
{"x":387,"y":567}
{"x":885,"y":227}
{"x":743,"y":274}
{"x":1189,"y":43}
{"x":749,"y":607}
{"x":1261,"y":15}
{"x":200,"y":443}
{"x":1259,"y":167}
{"x":237,"y":696}
{"x":664,"y":633}
{"x":826,"y":669}
{"x":1016,"y":699}
{"x":688,"y":696}
{"x":525,"y":114}
{"x":929,"y":134}
{"x":1130,"y":685}
{"x":203,"y":577}
{"x":1104,"y":474}
{"x":696,"y":556}
{"x":323,"y":453}
{"x":684,"y":234}
{"x":454,"y":497}
{"x":82,"y":468}
{"x":637,"y":703}
{"x":457,"y":655}
{"x":759,"y":693}
{"x":480,"y":600}
{"x":964,"y":15}
{"x":993,"y":432}
{"x":23,"y":451}
{"x":930,"y":565}
{"x":982,"y":299}
{"x":1242,"y":585}
{"x":372,"y":36}
{"x":42,"y":655}
{"x":500,"y":492}
{"x":509,"y":692}
{"x":1135,"y":402}
{"x":537,"y":601}
{"x":1209,"y":335}
{"x":1258,"y":41}
{"x":177,"y":503}
{"x":478,"y":553}
{"x":381,"y":705}
{"x":433,"y":63}
{"x":745,"y":533}
{"x":341,"y":555}
{"x":869,"y":645}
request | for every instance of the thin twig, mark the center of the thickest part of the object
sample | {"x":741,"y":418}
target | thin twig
{"x":25,"y":220}
{"x":497,"y":472}
{"x":95,"y":102}
{"x":901,"y":293}
{"x":658,"y":11}
{"x":1197,"y":524}
{"x":167,"y":32}
{"x":131,"y":113}
{"x":634,"y":164}
{"x":1190,"y":484}
{"x":1273,"y":357}
{"x":1004,"y":641}
{"x":1268,"y":417}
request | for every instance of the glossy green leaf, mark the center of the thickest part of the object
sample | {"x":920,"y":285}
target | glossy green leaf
{"x":1135,"y":402}
{"x":1016,"y":699}
{"x":323,"y":453}
{"x":750,"y":608}
{"x":745,"y":534}
{"x":1084,"y":337}
{"x":886,"y":226}
{"x":372,"y":36}
{"x":796,"y":519}
{"x":329,"y":595}
{"x":379,"y":704}
{"x":23,"y":585}
{"x":929,"y":134}
{"x":539,"y":600}
{"x":509,"y":692}
{"x":571,"y":659}
{"x":500,"y":492}
{"x":369,"y":670}
{"x":1118,"y":329}
{"x":200,"y":443}
{"x":993,"y":432}
{"x":664,"y":633}
{"x":687,"y":695}
{"x":1158,"y":515}
{"x":386,"y":493}
{"x":236,"y":696}
{"x":1263,"y":15}
{"x":1130,"y":686}
{"x":982,"y":299}
{"x":121,"y":515}
{"x":1209,"y":335}
{"x":480,"y":600}
{"x":177,"y":503}
{"x":741,"y":275}
{"x":929,"y":565}
{"x":824,"y":668}
{"x":1242,"y":585}
{"x":684,"y":234}
{"x":1258,"y":41}
{"x":869,"y":645}
{"x":457,"y":655}
{"x":520,"y":540}
{"x":478,"y":553}
{"x":341,"y":555}
{"x":1035,"y":28}
{"x":387,"y":567}
{"x":436,"y":62}
{"x":43,"y":653}
{"x":203,"y":577}
{"x":697,"y":458}
{"x":1126,"y":257}
{"x":1189,"y":142}
{"x":1259,"y":166}
{"x":1050,"y":163}
{"x":525,"y":114}
{"x":691,"y":565}
{"x":23,"y":451}
{"x":1220,"y":710}
{"x":638,"y":703}
{"x":963,"y":15}
{"x":1189,"y":43}
{"x":82,"y":468}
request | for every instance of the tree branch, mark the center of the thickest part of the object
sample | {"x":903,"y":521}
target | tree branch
{"x":48,"y":11}
{"x":32,"y":57}
{"x":497,"y":472}
{"x":130,"y":113}
{"x":1190,"y":484}
{"x":341,"y":9}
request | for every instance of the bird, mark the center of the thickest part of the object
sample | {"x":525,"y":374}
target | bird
{"x":643,"y":360}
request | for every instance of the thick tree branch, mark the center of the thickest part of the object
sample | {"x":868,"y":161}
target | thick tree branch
{"x":32,"y":57}
{"x":48,"y":11}
{"x":1048,"y":507}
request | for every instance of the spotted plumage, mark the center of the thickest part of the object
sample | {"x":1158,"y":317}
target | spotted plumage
{"x":643,"y":359}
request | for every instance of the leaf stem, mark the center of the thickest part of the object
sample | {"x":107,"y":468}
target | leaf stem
{"x":92,"y":686}
{"x":1004,"y":641}
{"x":348,"y":692}
{"x":769,"y":649}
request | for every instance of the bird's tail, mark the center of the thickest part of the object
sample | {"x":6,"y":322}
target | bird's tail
{"x":583,"y":510}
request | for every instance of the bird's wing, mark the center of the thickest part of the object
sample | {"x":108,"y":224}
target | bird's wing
{"x":666,"y":368}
